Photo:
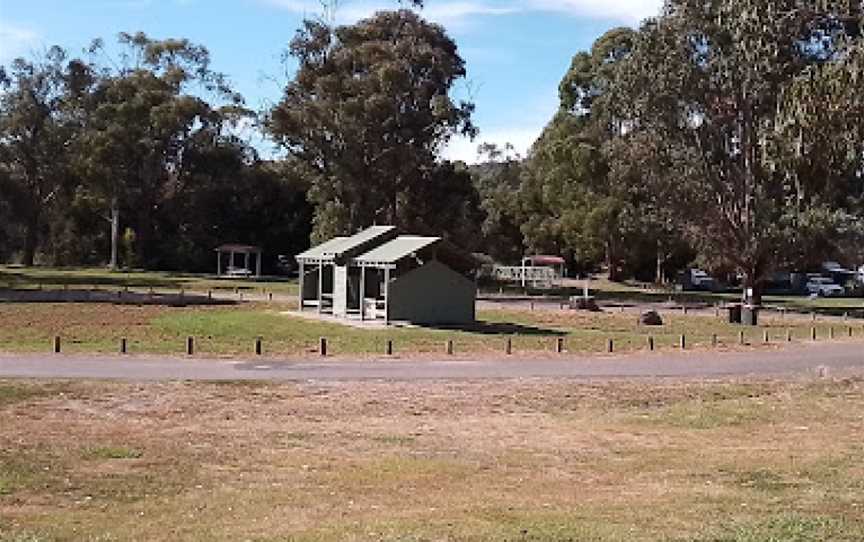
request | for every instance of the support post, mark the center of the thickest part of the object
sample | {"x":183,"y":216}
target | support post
{"x":362,"y":293}
{"x":387,"y":296}
{"x":301,"y":276}
{"x":320,"y":286}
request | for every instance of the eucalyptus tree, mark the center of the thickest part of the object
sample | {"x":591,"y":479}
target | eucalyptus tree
{"x":756,"y":113}
{"x":35,"y":134}
{"x":146,"y":114}
{"x":367,"y":115}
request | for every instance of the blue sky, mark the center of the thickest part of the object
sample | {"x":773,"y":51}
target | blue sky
{"x":516,"y":51}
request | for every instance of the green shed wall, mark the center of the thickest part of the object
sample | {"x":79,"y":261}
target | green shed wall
{"x":433,"y":294}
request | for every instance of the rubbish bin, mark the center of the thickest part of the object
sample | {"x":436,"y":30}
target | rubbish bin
{"x":750,"y":315}
{"x":734,"y":314}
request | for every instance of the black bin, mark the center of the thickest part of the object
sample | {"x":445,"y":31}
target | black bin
{"x":734,"y":314}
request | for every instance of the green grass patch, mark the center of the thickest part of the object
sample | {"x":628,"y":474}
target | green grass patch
{"x":112,"y":452}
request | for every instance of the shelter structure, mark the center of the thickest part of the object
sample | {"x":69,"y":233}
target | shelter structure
{"x":232,"y":270}
{"x":536,"y":271}
{"x":380,"y":275}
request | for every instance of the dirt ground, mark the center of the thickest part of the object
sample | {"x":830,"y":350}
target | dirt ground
{"x":503,"y":460}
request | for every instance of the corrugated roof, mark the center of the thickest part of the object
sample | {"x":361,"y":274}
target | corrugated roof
{"x":321,"y":251}
{"x":359,"y":240}
{"x":395,"y":250}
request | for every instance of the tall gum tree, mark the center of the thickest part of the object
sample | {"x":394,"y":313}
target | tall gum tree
{"x":35,"y":133}
{"x":759,"y":106}
{"x":367,"y":114}
{"x":144,"y":116}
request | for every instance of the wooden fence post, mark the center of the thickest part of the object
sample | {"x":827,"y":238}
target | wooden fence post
{"x":683,"y":342}
{"x":559,"y":345}
{"x":322,"y":346}
{"x":123,"y":348}
{"x":57,"y":344}
{"x":190,"y":346}
{"x":449,"y":347}
{"x":813,"y":333}
{"x":789,"y":335}
{"x":259,"y":346}
{"x":610,"y":346}
{"x":714,"y":340}
{"x":831,"y":333}
{"x":741,"y":338}
{"x":650,"y":343}
{"x":388,"y":347}
{"x":765,"y":337}
{"x":508,"y":347}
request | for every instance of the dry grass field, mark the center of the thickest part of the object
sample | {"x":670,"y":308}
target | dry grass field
{"x":232,"y":330}
{"x":515,"y":460}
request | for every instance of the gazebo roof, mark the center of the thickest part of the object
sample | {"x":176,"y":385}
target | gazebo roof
{"x":248,"y":249}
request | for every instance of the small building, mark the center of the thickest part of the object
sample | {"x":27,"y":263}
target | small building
{"x":378,"y":274}
{"x":232,"y":270}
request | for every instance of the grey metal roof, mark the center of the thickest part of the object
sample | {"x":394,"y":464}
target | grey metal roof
{"x":322,"y":251}
{"x":392,"y":251}
{"x":360,"y":240}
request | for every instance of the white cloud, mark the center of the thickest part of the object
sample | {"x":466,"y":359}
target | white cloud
{"x":630,"y":11}
{"x":521,"y":138}
{"x":460,"y":12}
{"x":16,"y":41}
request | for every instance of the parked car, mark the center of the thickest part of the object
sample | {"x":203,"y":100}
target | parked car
{"x":700,"y":280}
{"x":824,"y":287}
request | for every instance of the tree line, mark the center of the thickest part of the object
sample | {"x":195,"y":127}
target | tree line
{"x":730,"y":133}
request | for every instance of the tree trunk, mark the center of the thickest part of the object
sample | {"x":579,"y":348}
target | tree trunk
{"x":31,"y":239}
{"x":751,"y":282}
{"x":115,"y":233}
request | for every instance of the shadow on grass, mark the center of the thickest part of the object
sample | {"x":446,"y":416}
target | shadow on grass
{"x":499,"y":328}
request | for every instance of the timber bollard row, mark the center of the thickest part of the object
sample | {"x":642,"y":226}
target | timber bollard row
{"x":559,"y":344}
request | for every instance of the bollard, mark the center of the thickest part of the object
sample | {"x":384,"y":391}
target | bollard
{"x":650,"y":343}
{"x":259,"y":346}
{"x":741,"y":337}
{"x":449,"y":347}
{"x":765,"y":337}
{"x":850,"y":332}
{"x":788,"y":335}
{"x":270,"y":296}
{"x":831,"y":333}
{"x":508,"y":347}
{"x":610,"y":346}
{"x":559,"y":345}
{"x":532,"y":305}
{"x":684,"y":310}
{"x":209,"y":295}
{"x":56,"y":344}
{"x":123,"y":349}
{"x":813,"y":333}
{"x":683,"y":342}
{"x":190,"y":346}
{"x":322,"y":346}
{"x":388,"y":348}
{"x":714,"y":340}
{"x":845,"y":316}
{"x":813,"y":316}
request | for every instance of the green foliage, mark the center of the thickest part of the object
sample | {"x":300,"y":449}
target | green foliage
{"x":366,"y":116}
{"x":759,"y":110}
